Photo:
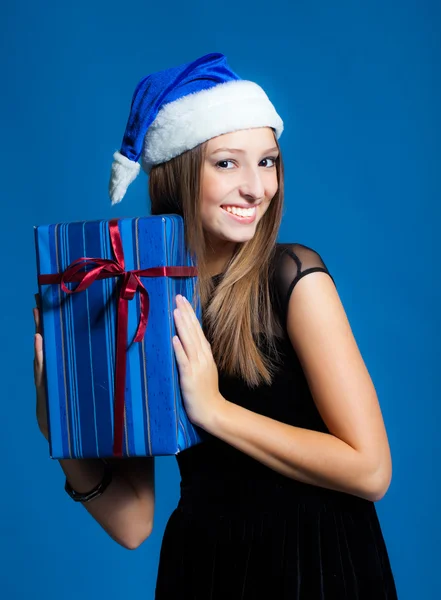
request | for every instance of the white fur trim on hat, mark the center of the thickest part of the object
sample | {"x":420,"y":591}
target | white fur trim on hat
{"x":124,"y":171}
{"x":184,"y":123}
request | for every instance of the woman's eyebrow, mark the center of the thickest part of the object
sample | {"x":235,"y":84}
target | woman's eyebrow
{"x":275,"y":149}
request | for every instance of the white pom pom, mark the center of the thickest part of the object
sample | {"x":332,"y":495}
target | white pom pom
{"x":124,"y":171}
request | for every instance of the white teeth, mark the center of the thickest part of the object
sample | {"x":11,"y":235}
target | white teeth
{"x":242,"y":212}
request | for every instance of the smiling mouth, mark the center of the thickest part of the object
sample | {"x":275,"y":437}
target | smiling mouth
{"x":247,"y":218}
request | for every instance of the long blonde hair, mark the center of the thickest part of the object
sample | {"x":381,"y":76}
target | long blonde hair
{"x":239,"y":308}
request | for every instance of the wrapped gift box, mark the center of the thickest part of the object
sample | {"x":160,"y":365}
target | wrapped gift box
{"x":112,"y":379}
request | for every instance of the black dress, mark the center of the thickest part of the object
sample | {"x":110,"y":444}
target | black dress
{"x":242,"y":531}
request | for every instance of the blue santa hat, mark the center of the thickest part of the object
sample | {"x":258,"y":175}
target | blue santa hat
{"x":176,"y":109}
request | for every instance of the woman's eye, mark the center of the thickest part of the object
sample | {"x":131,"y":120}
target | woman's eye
{"x":223,"y":162}
{"x":271,"y":158}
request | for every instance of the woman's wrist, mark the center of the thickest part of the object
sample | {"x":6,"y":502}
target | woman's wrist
{"x":83,"y":474}
{"x":96,"y":491}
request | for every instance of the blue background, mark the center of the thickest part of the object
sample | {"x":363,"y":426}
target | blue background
{"x":358,"y":86}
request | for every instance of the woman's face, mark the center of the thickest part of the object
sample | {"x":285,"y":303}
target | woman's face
{"x":239,"y":171}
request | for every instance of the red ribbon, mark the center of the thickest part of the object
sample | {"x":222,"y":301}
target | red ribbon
{"x":131,"y":284}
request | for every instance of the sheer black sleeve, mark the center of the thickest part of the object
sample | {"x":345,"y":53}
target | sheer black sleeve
{"x":293,"y":261}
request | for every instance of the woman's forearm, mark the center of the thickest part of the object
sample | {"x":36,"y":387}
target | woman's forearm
{"x":308,"y":456}
{"x":125,"y":509}
{"x":119,"y":510}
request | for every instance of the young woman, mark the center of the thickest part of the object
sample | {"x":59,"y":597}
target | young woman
{"x":278,"y":499}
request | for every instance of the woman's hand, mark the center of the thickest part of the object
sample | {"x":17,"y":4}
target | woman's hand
{"x":198,"y":372}
{"x":39,"y":374}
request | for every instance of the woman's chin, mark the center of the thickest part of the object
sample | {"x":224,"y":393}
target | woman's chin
{"x":236,"y":237}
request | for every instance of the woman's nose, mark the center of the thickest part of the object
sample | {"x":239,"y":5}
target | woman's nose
{"x":252,"y":185}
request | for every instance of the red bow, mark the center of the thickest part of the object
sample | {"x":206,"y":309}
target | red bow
{"x":131,"y":284}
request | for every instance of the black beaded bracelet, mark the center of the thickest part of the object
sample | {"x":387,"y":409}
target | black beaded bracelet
{"x":95,"y":492}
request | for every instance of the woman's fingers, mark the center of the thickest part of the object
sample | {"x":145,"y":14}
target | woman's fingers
{"x":193,"y":329}
{"x":41,"y":410}
{"x":38,"y":349}
{"x":38,"y":359}
{"x":183,"y":333}
{"x":196,"y":324}
{"x":37,"y":320}
{"x":185,"y":330}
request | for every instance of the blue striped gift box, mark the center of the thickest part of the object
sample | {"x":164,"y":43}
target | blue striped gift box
{"x":79,"y":341}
